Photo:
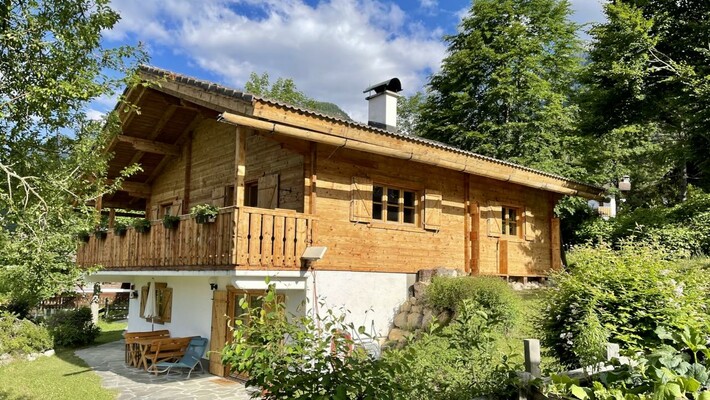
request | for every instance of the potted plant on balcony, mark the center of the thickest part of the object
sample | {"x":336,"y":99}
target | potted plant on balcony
{"x":120,"y":228}
{"x":204,"y":213}
{"x":141,"y":225}
{"x":171,"y":221}
{"x":101,"y":232}
{"x":84,"y":236}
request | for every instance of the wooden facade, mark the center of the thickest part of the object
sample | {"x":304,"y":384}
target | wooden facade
{"x":285,"y":179}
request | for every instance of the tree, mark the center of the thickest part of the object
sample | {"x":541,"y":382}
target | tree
{"x":504,"y":88}
{"x":645,"y":96}
{"x":52,"y":160}
{"x":285,"y":90}
{"x":409,"y":111}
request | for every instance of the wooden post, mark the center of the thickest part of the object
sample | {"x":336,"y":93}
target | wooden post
{"x":466,"y":225}
{"x":188,"y":174}
{"x":475,"y":238}
{"x":532,"y":357}
{"x":111,"y":217}
{"x":240,"y":166}
{"x":313,"y":192}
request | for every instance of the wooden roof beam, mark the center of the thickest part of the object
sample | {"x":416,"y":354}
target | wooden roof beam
{"x":150,"y":146}
{"x":135,"y":189}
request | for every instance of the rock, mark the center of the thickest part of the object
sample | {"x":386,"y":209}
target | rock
{"x":48,"y":353}
{"x":405,"y":307}
{"x":419,"y":289}
{"x":427,"y":317}
{"x":400,"y":320}
{"x":413,"y":301}
{"x":449,"y":272}
{"x":414,"y":321}
{"x":517,"y":286}
{"x":444,"y":317}
{"x":416,"y":309}
{"x":425,"y":275}
{"x":397,"y":335}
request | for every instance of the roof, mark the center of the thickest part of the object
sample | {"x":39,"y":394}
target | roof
{"x":247,"y":97}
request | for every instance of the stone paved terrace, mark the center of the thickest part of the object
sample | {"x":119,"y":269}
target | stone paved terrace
{"x":132,"y":383}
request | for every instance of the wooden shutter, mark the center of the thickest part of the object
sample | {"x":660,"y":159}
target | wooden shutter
{"x":176,"y":208}
{"x":167,"y":306}
{"x":268,"y":196}
{"x":361,"y":199}
{"x":494,"y":216}
{"x":144,"y":295}
{"x":218,"y":196}
{"x":528,"y":223}
{"x":154,"y":213}
{"x":432,"y":210}
{"x":218,"y":334}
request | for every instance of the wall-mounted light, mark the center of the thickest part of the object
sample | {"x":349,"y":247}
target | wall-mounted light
{"x":311,"y":254}
{"x":213,"y":283}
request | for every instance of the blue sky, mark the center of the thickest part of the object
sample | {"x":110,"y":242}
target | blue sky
{"x":332,"y":49}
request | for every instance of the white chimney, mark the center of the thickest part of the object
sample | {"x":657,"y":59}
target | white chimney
{"x":382,"y":106}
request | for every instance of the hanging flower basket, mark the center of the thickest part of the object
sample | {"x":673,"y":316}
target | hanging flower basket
{"x":120,"y":229}
{"x":141,"y":225}
{"x":204,"y":213}
{"x":171,"y":221}
{"x":101,"y":232}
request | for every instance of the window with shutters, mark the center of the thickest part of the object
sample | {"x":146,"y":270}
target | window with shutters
{"x":251,"y":194}
{"x":163,"y":302}
{"x":165,"y":209}
{"x":393,"y":204}
{"x":510,"y":221}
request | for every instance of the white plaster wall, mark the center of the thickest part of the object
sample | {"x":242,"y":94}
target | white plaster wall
{"x":191,"y":311}
{"x":372,"y":298}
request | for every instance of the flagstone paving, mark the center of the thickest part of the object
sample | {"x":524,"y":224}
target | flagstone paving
{"x":133,"y":383}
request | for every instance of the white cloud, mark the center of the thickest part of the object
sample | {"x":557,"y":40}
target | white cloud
{"x":428,"y":3}
{"x":332,"y":50}
{"x":94,"y":115}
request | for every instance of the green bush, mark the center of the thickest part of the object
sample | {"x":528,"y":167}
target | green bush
{"x":22,"y":336}
{"x":458,"y":361}
{"x":488,"y":293}
{"x":72,"y":327}
{"x":623,"y":294}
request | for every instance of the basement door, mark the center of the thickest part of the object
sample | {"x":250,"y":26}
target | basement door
{"x":225,"y":308}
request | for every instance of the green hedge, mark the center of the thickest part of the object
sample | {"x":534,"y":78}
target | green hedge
{"x":623,"y":296}
{"x":73,"y":327}
{"x":22,"y":336}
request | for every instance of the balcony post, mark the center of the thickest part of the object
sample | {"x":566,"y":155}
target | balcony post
{"x":239,"y":165}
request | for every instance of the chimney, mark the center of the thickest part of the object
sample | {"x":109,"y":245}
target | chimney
{"x":382,"y":106}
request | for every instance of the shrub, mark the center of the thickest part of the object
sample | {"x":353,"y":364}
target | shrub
{"x":141,"y":225}
{"x":458,"y":361}
{"x":73,"y":327}
{"x":623,"y":294}
{"x":490,"y":294}
{"x":204,"y":213}
{"x":22,"y":336}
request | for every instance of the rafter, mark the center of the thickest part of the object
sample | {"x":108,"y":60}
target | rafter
{"x":135,"y":189}
{"x":150,"y":146}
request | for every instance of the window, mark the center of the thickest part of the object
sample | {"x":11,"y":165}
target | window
{"x":165,"y":209}
{"x":229,"y":195}
{"x":509,"y":221}
{"x":393,"y":204}
{"x":163,"y":302}
{"x":251,"y":194}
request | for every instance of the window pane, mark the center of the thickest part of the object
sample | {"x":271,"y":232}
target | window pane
{"x":408,"y":199}
{"x":513,"y":228}
{"x":393,"y":196}
{"x":393,"y":213}
{"x":377,"y":211}
{"x":377,"y":194}
{"x":409,"y":215}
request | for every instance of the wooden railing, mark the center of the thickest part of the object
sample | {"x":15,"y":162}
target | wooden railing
{"x":272,"y":238}
{"x":264,"y":238}
{"x":189,"y":244}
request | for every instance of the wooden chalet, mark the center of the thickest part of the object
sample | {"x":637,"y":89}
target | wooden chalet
{"x":384,"y":204}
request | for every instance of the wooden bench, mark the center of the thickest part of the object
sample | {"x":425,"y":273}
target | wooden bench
{"x":132,"y":355}
{"x":166,"y":349}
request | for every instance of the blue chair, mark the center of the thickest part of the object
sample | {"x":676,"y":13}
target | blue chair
{"x":190,"y":360}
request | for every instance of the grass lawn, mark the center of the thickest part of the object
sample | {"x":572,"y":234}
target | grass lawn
{"x":63,"y":376}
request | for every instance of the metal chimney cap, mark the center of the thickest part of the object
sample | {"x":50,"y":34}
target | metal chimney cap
{"x":393,"y":85}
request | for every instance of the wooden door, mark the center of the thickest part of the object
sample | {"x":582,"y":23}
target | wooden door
{"x":219,"y":332}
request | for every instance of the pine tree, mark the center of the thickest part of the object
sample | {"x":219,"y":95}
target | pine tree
{"x":504,"y":88}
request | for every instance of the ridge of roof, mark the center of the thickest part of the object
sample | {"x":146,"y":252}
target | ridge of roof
{"x":244,"y":96}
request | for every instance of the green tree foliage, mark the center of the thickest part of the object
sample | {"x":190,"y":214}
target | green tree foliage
{"x":504,"y":88}
{"x":51,"y":159}
{"x":644,"y":98}
{"x":621,"y":296}
{"x":409,"y":112}
{"x":285,"y":90}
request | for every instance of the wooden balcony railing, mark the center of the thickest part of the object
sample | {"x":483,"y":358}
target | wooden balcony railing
{"x":244,"y":236}
{"x":272,"y":238}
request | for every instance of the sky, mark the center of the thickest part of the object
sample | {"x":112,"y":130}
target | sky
{"x":332,"y":49}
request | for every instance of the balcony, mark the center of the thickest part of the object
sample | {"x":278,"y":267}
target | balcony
{"x":239,"y":237}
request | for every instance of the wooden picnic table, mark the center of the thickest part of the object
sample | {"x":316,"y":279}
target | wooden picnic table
{"x":133,"y":350}
{"x":160,"y":349}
